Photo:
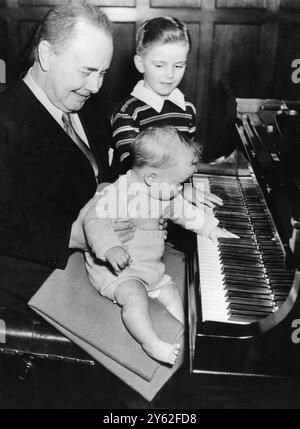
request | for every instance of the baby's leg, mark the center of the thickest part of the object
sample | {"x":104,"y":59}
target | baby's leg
{"x":131,"y":295}
{"x":170,"y":298}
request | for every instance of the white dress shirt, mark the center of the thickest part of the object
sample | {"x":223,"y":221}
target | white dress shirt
{"x":53,"y":110}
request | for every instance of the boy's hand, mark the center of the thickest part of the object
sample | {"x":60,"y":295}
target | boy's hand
{"x":198,"y":197}
{"x":118,"y":257}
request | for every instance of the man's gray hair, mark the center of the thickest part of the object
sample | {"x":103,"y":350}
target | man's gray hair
{"x":58,"y":26}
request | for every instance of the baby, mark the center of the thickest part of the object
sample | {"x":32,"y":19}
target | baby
{"x":131,"y":275}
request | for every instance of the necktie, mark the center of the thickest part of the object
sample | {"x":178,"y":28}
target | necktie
{"x":69,"y":129}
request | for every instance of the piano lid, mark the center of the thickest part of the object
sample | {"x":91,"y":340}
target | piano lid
{"x":274,"y":155}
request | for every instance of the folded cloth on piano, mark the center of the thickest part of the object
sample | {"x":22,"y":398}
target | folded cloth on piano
{"x":68,"y":301}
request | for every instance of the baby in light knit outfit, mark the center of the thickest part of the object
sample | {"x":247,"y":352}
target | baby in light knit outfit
{"x":131,"y":275}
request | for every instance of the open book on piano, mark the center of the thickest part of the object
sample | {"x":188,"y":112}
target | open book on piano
{"x":243,"y":298}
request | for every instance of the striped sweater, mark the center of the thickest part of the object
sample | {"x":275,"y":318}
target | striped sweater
{"x":133,"y":116}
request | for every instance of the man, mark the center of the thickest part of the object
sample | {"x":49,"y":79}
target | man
{"x":51,"y":156}
{"x":54,"y":147}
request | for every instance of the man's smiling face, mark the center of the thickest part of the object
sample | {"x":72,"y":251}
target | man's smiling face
{"x":76,"y":71}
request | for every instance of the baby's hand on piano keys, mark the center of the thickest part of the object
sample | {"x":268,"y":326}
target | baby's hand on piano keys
{"x":199,"y":197}
{"x":220,"y":233}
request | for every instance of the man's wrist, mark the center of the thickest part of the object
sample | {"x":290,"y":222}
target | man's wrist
{"x":77,"y":239}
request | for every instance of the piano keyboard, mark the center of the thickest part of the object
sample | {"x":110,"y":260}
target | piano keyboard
{"x":241,"y":280}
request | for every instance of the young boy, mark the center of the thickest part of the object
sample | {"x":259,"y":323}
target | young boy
{"x":162,"y":47}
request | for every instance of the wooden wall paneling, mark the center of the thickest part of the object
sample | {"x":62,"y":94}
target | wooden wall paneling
{"x":288,"y":49}
{"x":12,"y":48}
{"x":40,"y":3}
{"x":261,"y":4}
{"x":27,"y":30}
{"x":176,"y":3}
{"x":122,"y":75}
{"x":203,"y":75}
{"x":233,"y":73}
{"x":189,"y":81}
{"x":3,"y":51}
{"x":104,"y":3}
{"x":290,"y":4}
{"x":269,"y":34}
{"x":3,"y":39}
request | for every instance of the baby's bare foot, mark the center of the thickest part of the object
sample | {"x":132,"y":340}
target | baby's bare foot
{"x":162,"y":351}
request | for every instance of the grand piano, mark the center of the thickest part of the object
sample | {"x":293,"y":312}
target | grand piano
{"x":243,"y":294}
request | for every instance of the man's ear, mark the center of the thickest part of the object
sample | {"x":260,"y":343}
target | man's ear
{"x":45,"y":51}
{"x":138,"y":61}
{"x":150,"y":178}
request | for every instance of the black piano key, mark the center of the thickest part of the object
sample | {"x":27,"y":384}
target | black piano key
{"x":250,"y":294}
{"x":248,"y":306}
{"x":280,"y":276}
{"x":236,"y":281}
{"x":236,"y":249}
{"x":240,"y":272}
{"x":243,"y":264}
{"x":257,"y":290}
{"x":231,"y":261}
{"x":256,"y":314}
{"x":251,"y":302}
{"x":281,"y":268}
{"x":280,"y":283}
{"x":248,"y":279}
{"x":230,"y":253}
{"x":281,"y":290}
{"x":242,"y":318}
{"x":247,"y":309}
{"x":249,"y":256}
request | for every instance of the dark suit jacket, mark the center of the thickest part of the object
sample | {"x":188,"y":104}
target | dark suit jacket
{"x":45,"y":181}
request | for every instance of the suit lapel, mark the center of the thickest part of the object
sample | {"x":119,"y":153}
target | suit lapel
{"x":40,"y":119}
{"x":37,"y":116}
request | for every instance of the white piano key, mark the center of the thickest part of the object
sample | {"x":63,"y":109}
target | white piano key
{"x":213,"y":295}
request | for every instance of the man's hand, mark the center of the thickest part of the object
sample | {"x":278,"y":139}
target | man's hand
{"x":163,"y":223}
{"x":198,"y":197}
{"x":119,"y":258}
{"x":125,"y":229}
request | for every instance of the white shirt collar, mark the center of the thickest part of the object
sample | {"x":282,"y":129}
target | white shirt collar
{"x":52,"y":109}
{"x":155,"y":100}
{"x":42,"y":97}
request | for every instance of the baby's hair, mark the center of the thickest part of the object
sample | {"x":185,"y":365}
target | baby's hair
{"x":161,"y":30}
{"x":158,"y":147}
